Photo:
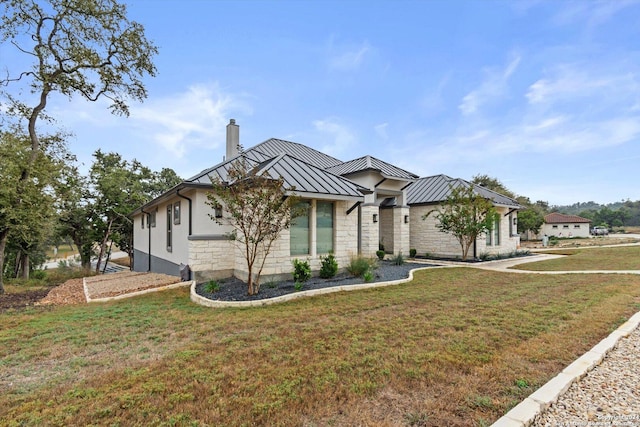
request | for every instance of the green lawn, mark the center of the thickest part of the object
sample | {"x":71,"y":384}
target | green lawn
{"x":455,"y":347}
{"x":620,"y":258}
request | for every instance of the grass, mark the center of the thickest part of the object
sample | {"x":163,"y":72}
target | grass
{"x":621,"y":258}
{"x":455,"y":347}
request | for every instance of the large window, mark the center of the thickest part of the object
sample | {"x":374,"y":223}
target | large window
{"x":324,"y":227}
{"x":300,"y":231}
{"x":493,"y":235}
{"x":169,"y":225}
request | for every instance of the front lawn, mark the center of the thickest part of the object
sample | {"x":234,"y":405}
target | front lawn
{"x":455,"y":347}
{"x":620,"y":258}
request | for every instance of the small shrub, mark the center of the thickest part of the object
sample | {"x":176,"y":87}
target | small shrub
{"x":301,"y":271}
{"x":39,"y":274}
{"x":359,"y":266}
{"x":212,"y":286}
{"x":328,"y":267}
{"x":298,"y":286}
{"x":412,"y":253}
{"x":271,"y":284}
{"x":398,"y":259}
{"x":380,"y":255}
{"x":368,"y":276}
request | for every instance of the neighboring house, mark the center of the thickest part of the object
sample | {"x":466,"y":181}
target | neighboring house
{"x":354,"y":207}
{"x":560,"y":225}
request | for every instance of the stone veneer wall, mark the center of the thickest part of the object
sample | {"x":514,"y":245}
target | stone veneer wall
{"x":401,"y":230}
{"x":427,"y":238}
{"x":219,"y":258}
{"x":370,"y":234}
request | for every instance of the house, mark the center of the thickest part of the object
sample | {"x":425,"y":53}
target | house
{"x":561,"y":225}
{"x":353,"y":208}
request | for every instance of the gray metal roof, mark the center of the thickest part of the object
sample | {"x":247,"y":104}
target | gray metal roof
{"x":273,"y":147}
{"x":306,"y":178}
{"x":435,"y":189}
{"x":366,"y":163}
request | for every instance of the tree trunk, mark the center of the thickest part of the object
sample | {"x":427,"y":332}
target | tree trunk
{"x":103,"y":246}
{"x":3,"y":244}
{"x":25,"y":266}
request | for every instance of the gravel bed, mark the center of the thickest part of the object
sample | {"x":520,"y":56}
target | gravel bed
{"x":236,"y":290}
{"x":609,"y":395}
{"x":114,"y":284}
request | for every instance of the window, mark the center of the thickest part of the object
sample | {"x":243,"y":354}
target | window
{"x":176,"y":213}
{"x":169,"y":224}
{"x":565,"y":226}
{"x":576,"y":226}
{"x":324,"y":227}
{"x":142,"y":220}
{"x":493,"y":235}
{"x":554,"y":226}
{"x":152,"y":219}
{"x":299,"y":239}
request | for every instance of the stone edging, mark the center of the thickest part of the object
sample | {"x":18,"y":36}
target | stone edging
{"x":523,"y":414}
{"x":134,"y":294}
{"x":290,"y":297}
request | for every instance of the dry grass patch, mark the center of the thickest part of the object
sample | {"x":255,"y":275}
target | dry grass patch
{"x":620,"y":258}
{"x":455,"y":347}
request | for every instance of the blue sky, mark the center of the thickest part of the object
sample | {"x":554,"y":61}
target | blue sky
{"x":543,"y":95}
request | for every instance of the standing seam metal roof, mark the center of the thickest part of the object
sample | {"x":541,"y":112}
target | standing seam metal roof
{"x":371,"y":163}
{"x":272,"y":147}
{"x":435,"y":189}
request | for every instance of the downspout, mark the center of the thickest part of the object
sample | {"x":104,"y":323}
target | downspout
{"x":149,"y":227}
{"x":188,"y":200}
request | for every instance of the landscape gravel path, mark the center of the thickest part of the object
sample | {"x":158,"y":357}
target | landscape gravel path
{"x":609,"y":395}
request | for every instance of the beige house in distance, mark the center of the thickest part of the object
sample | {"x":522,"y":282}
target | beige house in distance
{"x":353,"y":208}
{"x":561,"y":225}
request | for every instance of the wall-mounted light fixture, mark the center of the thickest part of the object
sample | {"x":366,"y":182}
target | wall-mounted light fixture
{"x":406,"y":219}
{"x":375,"y":217}
{"x":515,"y":221}
{"x":218,"y":211}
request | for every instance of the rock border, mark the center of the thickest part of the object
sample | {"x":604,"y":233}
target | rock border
{"x":198,"y":299}
{"x":524,"y":414}
{"x":135,"y":293}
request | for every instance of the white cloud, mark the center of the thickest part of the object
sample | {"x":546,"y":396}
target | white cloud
{"x":347,"y":57}
{"x":575,"y":82}
{"x":179,"y":122}
{"x":494,"y":86}
{"x":342,"y":138}
{"x":590,"y":14}
{"x":381,"y":130}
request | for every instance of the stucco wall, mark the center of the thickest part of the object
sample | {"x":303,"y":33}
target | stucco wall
{"x":567,"y":230}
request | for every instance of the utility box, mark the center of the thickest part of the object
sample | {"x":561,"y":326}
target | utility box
{"x":185,"y":272}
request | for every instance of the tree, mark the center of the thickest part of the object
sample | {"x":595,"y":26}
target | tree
{"x":466,"y":215}
{"x":493,"y":184}
{"x":259,"y":208}
{"x":530,"y":220}
{"x":78,"y":47}
{"x":26,"y":206}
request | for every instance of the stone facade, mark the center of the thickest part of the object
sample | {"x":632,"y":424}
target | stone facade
{"x":217,"y":258}
{"x":426,"y":238}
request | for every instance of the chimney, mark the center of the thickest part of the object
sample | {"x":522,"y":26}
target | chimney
{"x":233,"y":139}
